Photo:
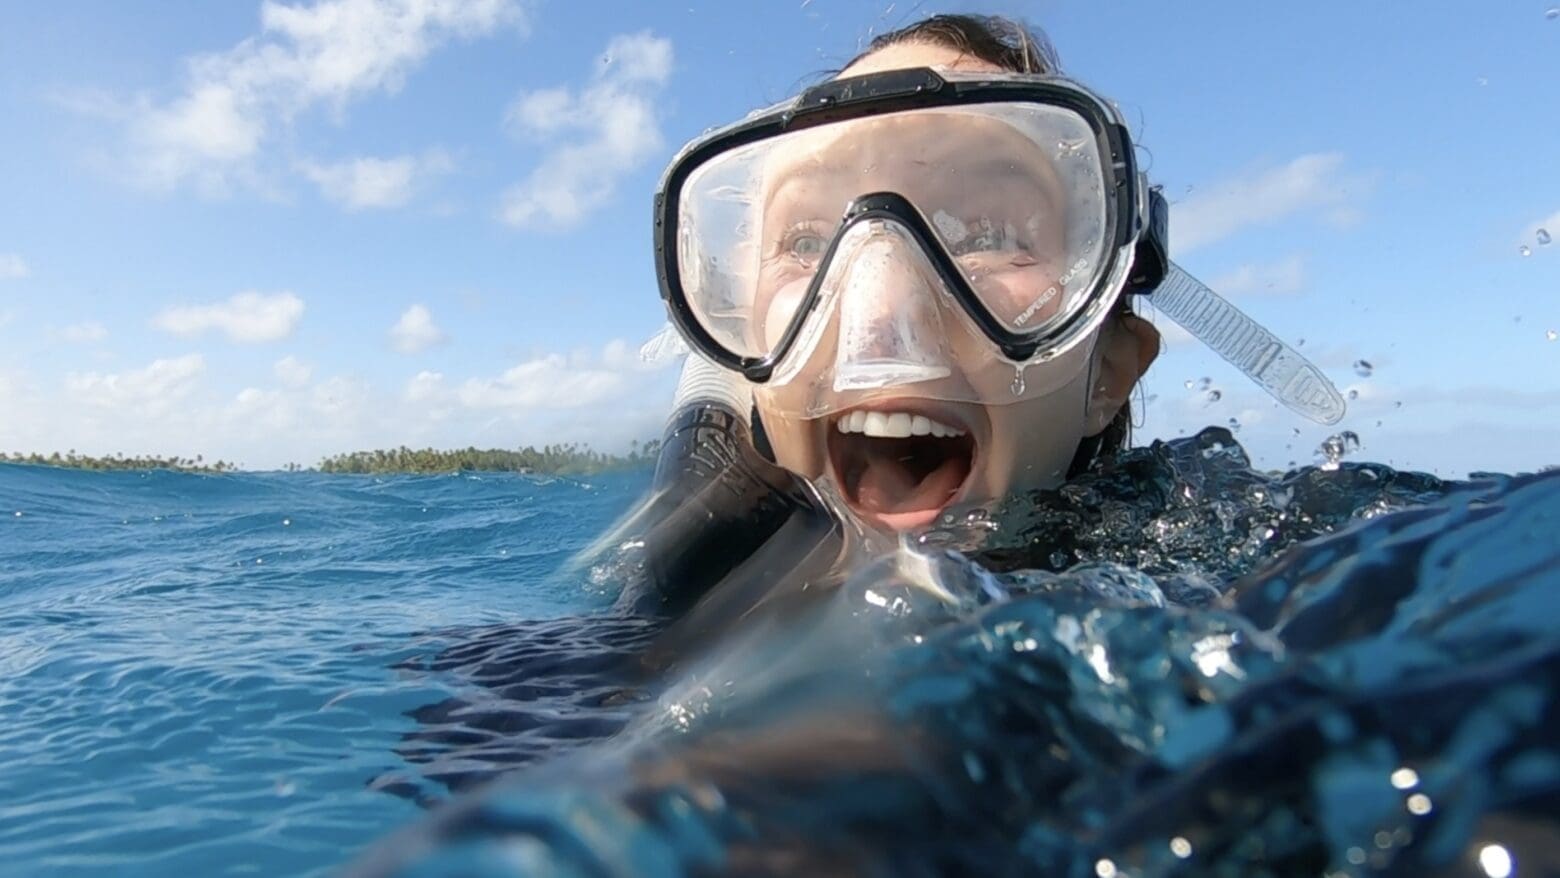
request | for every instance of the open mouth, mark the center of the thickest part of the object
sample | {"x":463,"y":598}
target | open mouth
{"x":898,"y":467}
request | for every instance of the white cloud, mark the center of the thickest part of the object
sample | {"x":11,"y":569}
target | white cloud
{"x":425,"y":386}
{"x":1276,"y":278}
{"x":1316,"y":181}
{"x":150,"y":390}
{"x":13,"y":267}
{"x":292,"y":371}
{"x":416,"y":331}
{"x":305,"y":56}
{"x":598,"y":135}
{"x":247,"y":317}
{"x":84,"y":333}
{"x":367,"y":182}
{"x":546,"y":382}
{"x":188,"y":406}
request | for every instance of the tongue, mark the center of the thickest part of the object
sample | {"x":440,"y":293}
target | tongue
{"x":887,"y":485}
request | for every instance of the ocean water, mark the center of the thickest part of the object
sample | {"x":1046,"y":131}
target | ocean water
{"x":1176,"y":665}
{"x":198,"y":674}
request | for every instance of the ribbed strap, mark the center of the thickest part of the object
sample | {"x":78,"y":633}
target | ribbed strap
{"x":1274,"y":366}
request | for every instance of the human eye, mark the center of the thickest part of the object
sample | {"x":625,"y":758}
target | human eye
{"x":801,"y":242}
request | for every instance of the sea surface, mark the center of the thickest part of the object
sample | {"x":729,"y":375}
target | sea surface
{"x":1174,"y":665}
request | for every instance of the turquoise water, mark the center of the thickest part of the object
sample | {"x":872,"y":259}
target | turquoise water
{"x":197,"y":673}
{"x":1177,"y":665}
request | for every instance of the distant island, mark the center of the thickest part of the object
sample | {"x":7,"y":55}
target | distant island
{"x":564,"y":460}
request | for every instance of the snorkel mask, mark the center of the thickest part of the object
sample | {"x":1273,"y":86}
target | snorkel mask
{"x":951,"y":239}
{"x":921,"y":228}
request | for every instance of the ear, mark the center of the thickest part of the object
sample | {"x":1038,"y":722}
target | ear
{"x":1127,"y":347}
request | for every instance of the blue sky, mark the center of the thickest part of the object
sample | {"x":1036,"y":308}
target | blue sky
{"x":273,"y":231}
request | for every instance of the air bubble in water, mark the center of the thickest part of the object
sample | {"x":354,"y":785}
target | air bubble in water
{"x":1525,"y":250}
{"x":1363,"y":368}
{"x":1543,"y":237}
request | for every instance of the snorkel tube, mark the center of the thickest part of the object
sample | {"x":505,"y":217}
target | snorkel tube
{"x":716,"y":505}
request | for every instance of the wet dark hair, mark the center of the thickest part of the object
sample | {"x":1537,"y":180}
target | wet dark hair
{"x":1020,"y":48}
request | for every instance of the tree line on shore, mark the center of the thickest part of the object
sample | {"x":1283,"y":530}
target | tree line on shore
{"x":565,"y":459}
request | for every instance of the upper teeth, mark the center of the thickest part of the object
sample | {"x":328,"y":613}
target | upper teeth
{"x":894,"y":425}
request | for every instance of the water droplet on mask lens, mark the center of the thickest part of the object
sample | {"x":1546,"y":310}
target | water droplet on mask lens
{"x":1354,"y":394}
{"x":1018,"y":381}
{"x":1234,"y":426}
{"x":1552,"y":13}
{"x":1525,"y":250}
{"x":1543,"y":237}
{"x":1189,"y":384}
{"x":1297,"y":431}
{"x":1214,"y":396}
{"x":1398,"y":404}
{"x":1363,"y":368}
{"x":1300,"y":343}
{"x":1204,"y":383}
{"x":1551,"y":335}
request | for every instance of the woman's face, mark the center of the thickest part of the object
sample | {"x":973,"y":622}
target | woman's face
{"x":957,"y":451}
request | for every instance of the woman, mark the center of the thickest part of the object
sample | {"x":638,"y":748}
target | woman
{"x":922,"y":267}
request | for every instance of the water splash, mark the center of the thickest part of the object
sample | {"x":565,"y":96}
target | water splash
{"x":1133,"y":717}
{"x":1335,"y":447}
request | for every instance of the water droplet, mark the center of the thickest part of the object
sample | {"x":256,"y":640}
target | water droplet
{"x":1335,"y":447}
{"x":1018,"y":381}
{"x":1204,"y":383}
{"x":1543,"y":237}
{"x":1398,"y":404}
{"x":1180,"y":847}
{"x":1363,"y":368}
{"x":1552,"y":13}
{"x":1214,"y":396}
{"x":1234,"y":426}
{"x":1189,"y":384}
{"x":1300,"y":343}
{"x":1297,"y":431}
{"x":1525,"y":250}
{"x":1483,"y":80}
{"x":285,"y":787}
{"x":18,"y":514}
{"x":1353,"y":394}
{"x":287,"y":522}
{"x":1550,"y":334}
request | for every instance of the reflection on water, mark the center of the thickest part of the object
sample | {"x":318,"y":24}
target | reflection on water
{"x":1173,"y":665}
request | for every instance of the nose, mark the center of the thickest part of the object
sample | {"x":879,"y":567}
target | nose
{"x":890,"y":329}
